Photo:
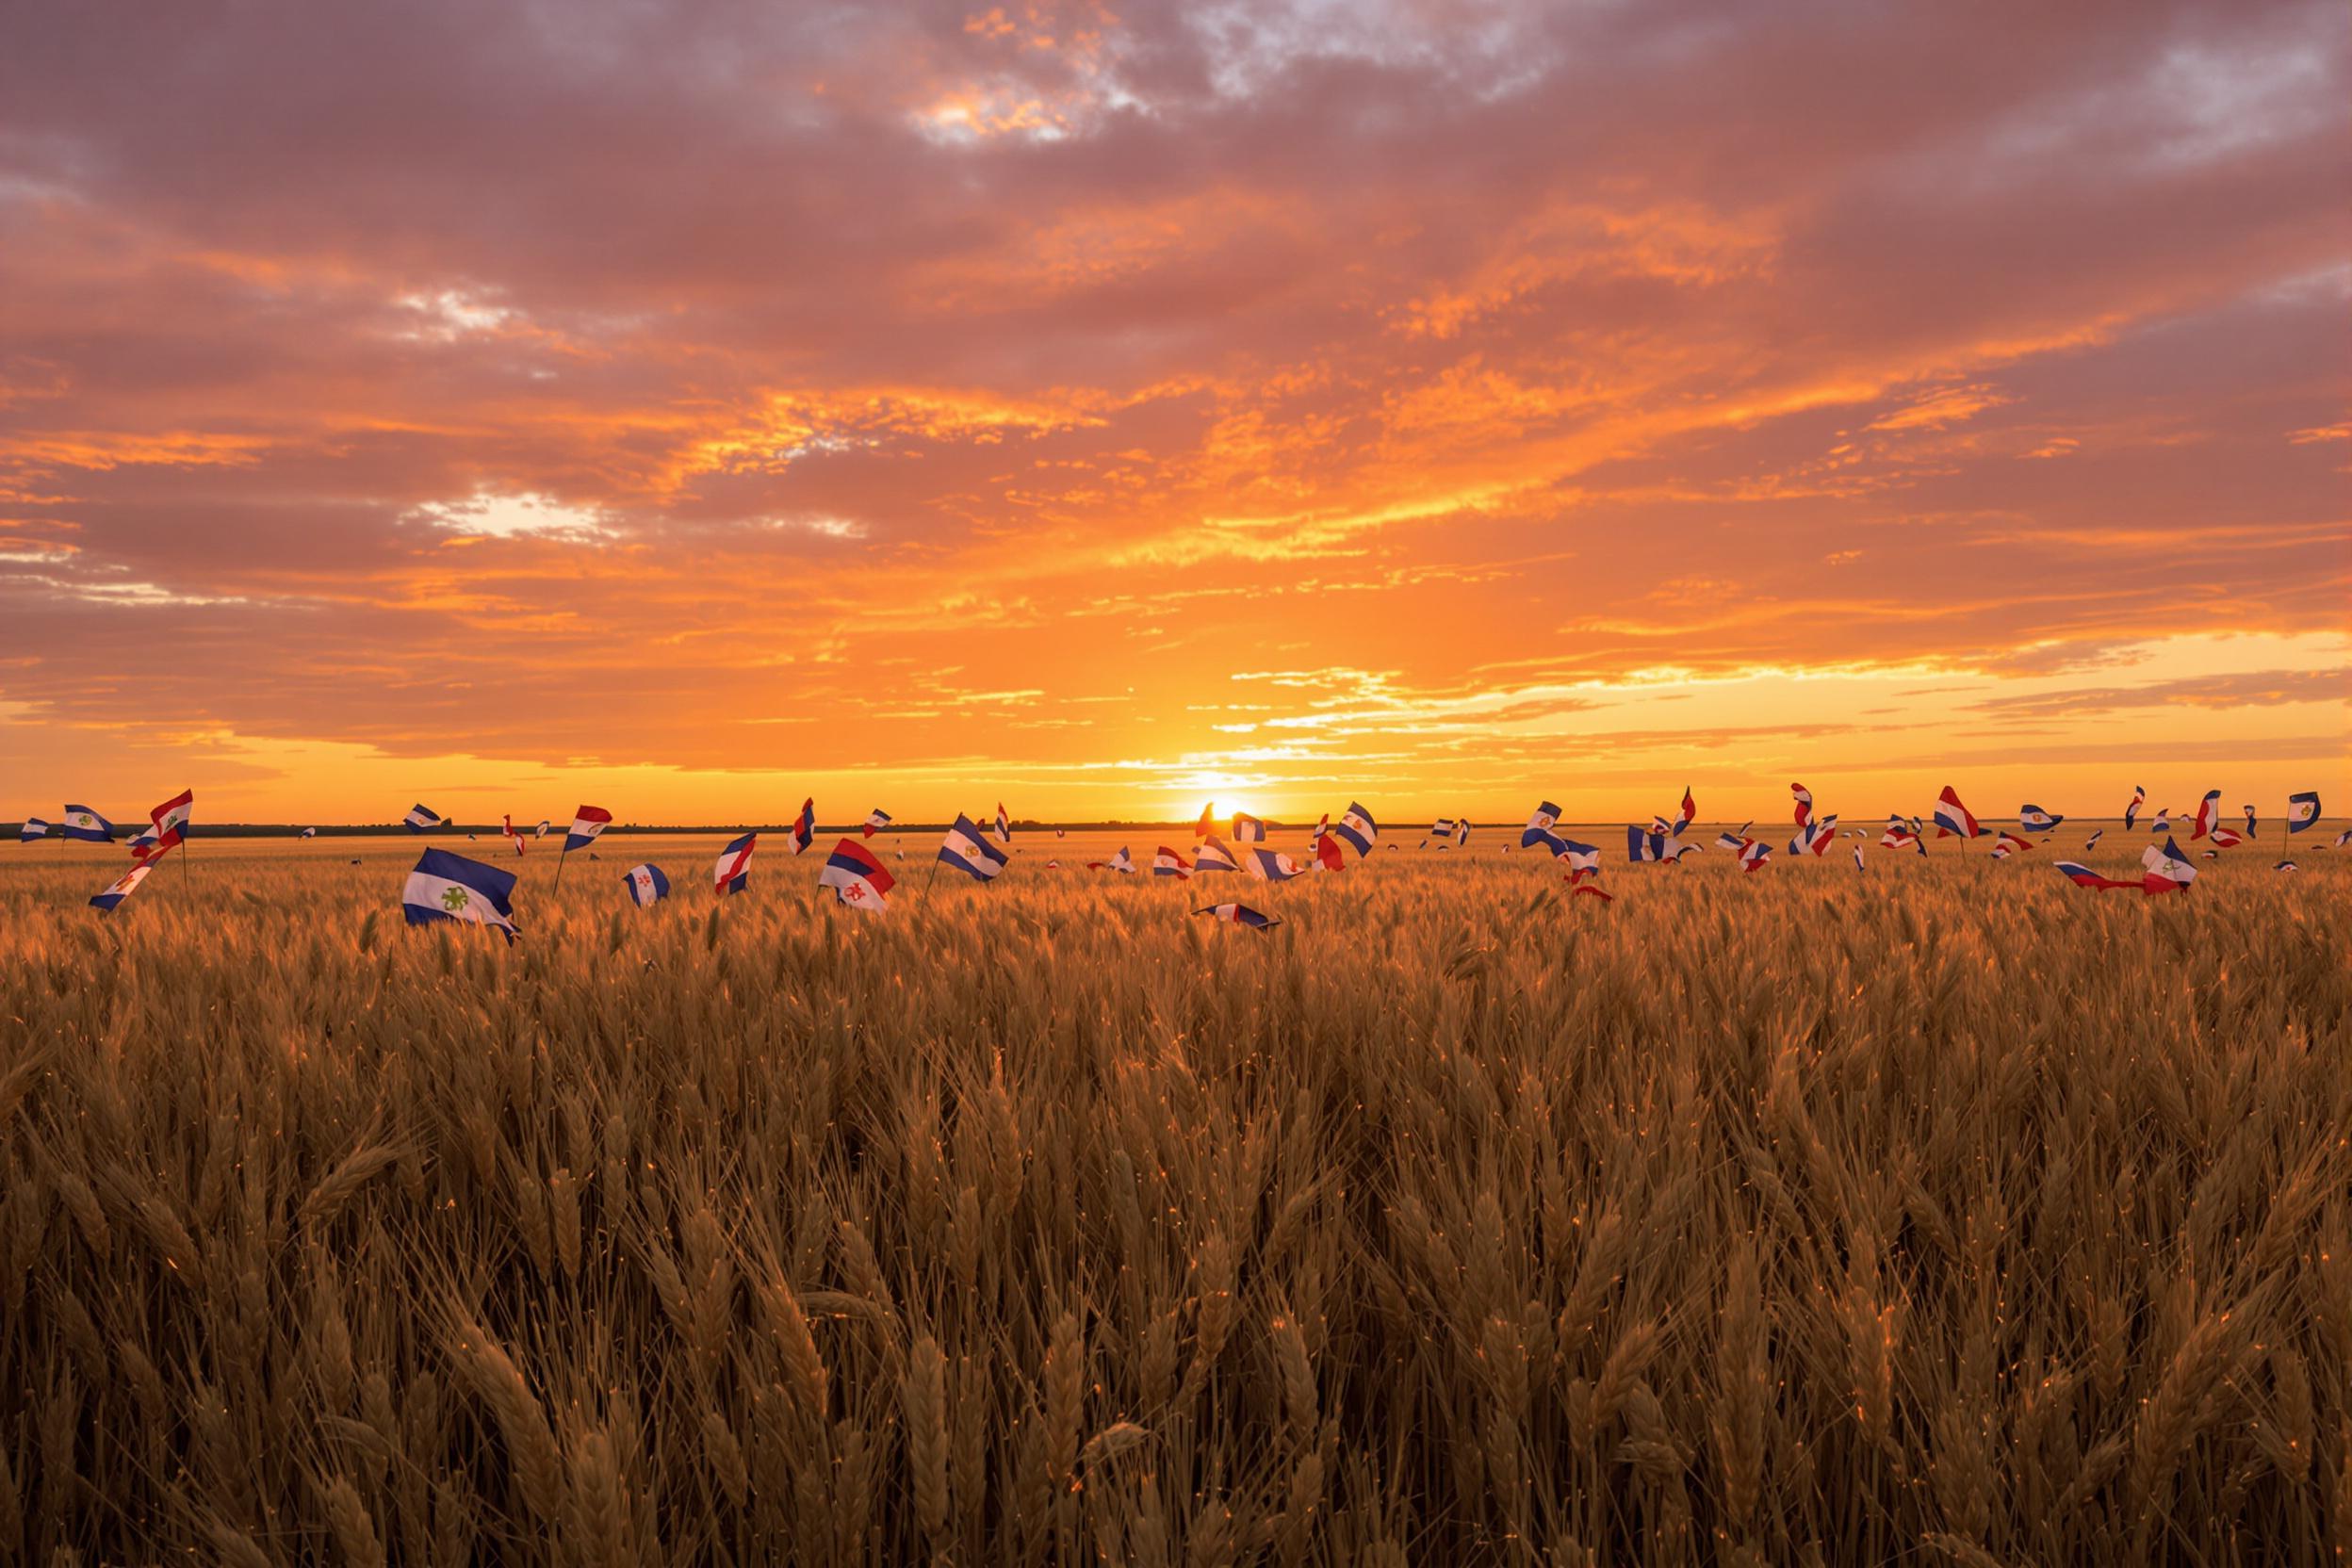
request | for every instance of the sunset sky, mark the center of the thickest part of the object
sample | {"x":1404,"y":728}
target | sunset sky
{"x":1102,"y":408}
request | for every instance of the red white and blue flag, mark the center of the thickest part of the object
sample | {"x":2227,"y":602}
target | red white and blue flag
{"x":2226,"y":837}
{"x":805,"y":825}
{"x":732,"y":874}
{"x":2008,"y":844}
{"x":1214,"y":854}
{"x":648,"y":886}
{"x":2131,"y":812}
{"x":1268,"y":865}
{"x":1755,"y":854}
{"x":1167,"y":862}
{"x":1815,"y":836}
{"x":2302,"y":810}
{"x":1953,"y":820}
{"x":445,"y":886}
{"x":1123,"y":861}
{"x":1239,"y":914}
{"x":2207,"y":810}
{"x":1804,"y":803}
{"x":170,"y":819}
{"x":513,"y":834}
{"x":1689,"y":810}
{"x":876,"y":820}
{"x":2165,"y":869}
{"x":857,"y":878}
{"x":587,"y":823}
{"x":1538,"y":829}
{"x":2083,"y":876}
{"x":121,"y":886}
{"x":423,"y":817}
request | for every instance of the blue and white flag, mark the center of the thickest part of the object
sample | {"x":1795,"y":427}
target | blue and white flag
{"x":421,"y":817}
{"x":2249,"y":821}
{"x":587,"y":823}
{"x":1538,"y":829}
{"x":647,"y":885}
{"x":968,"y":851}
{"x":87,"y":825}
{"x":1268,"y":865}
{"x":2034,"y":819}
{"x":1577,"y":857}
{"x":1461,"y":832}
{"x":732,"y":874}
{"x":1239,"y":914}
{"x":2302,"y":810}
{"x":1356,"y":829}
{"x":1442,"y":829}
{"x":1214,"y":854}
{"x":1732,"y":841}
{"x":121,"y":886}
{"x":1248,"y":829}
{"x":34,"y":828}
{"x":1641,"y":845}
{"x":307,"y":833}
{"x":450,"y":886}
{"x":2092,"y":843}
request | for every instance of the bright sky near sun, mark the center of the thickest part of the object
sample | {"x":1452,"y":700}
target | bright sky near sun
{"x":691,"y":407}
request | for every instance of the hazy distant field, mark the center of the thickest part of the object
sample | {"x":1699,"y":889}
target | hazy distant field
{"x":1939,"y":1212}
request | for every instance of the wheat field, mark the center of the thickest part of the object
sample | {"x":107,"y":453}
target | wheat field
{"x":1941,"y":1212}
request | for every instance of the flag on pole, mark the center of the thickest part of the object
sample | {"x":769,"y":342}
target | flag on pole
{"x":87,"y":825}
{"x":968,"y":851}
{"x":423,"y":817}
{"x":2131,"y":812}
{"x":1356,"y":829}
{"x":121,"y":886}
{"x":1582,"y":860}
{"x":1953,"y":820}
{"x":2034,"y":819}
{"x":1214,"y":854}
{"x":144,"y":845}
{"x":1239,"y":914}
{"x":732,"y":872}
{"x":1538,"y":829}
{"x":1169,"y":863}
{"x":2302,"y":810}
{"x":647,"y":885}
{"x":1123,"y":861}
{"x":587,"y":823}
{"x":876,"y":820}
{"x":170,"y":819}
{"x":445,"y":886}
{"x":857,"y":878}
{"x":805,"y":824}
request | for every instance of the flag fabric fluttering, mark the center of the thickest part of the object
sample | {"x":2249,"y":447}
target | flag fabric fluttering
{"x":1582,"y":860}
{"x":2249,"y":821}
{"x":513,"y":834}
{"x":447,"y":886}
{"x":2344,"y":838}
{"x":876,"y":820}
{"x":2208,"y":812}
{"x":148,"y":846}
{"x":1268,"y":865}
{"x":2165,"y":869}
{"x":1732,"y":841}
{"x":1686,"y":813}
{"x":307,"y":833}
{"x":1248,"y":829}
{"x":968,"y":850}
{"x":732,"y":872}
{"x":170,"y":819}
{"x":1123,"y":861}
{"x":2092,"y":843}
{"x":1804,"y":803}
{"x":86,"y":825}
{"x":2008,"y":844}
{"x":1461,"y":832}
{"x":1356,"y":829}
{"x":1643,"y":845}
{"x":1753,"y":857}
{"x":545,"y":827}
{"x":1442,"y":829}
{"x":2034,"y":819}
{"x":1206,"y":827}
{"x":121,"y":886}
{"x":32,"y":829}
{"x":1900,"y":834}
{"x":647,"y":885}
{"x":1239,"y":914}
{"x":420,"y":818}
{"x":2131,"y":812}
{"x":2286,"y":865}
{"x":1004,"y":825}
{"x":1327,"y":856}
{"x":588,"y":822}
{"x":1857,"y":858}
{"x":1815,"y":837}
{"x":1214,"y":854}
{"x":2083,"y":876}
{"x":2225,"y":838}
{"x":1953,"y":820}
{"x":1538,"y":829}
{"x":2163,"y":823}
{"x":805,"y":825}
{"x":1167,"y":862}
{"x":2302,"y":810}
{"x":857,"y":878}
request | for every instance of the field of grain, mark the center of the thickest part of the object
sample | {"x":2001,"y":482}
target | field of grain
{"x":1941,"y":1212}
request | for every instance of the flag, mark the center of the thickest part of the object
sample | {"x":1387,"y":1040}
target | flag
{"x":2083,"y":876}
{"x":2034,"y":819}
{"x":307,"y":833}
{"x":1641,"y":845}
{"x":2092,"y":843}
{"x":1268,"y":865}
{"x":1815,"y":837}
{"x":148,"y":846}
{"x":1206,"y":827}
{"x":512,"y":832}
{"x":1755,"y":854}
{"x":1461,"y":832}
{"x":647,"y":885}
{"x":2286,"y":865}
{"x":968,"y":851}
{"x":732,"y":872}
{"x":1169,"y":863}
{"x":1239,"y":914}
{"x":1538,"y":829}
{"x":1689,"y":810}
{"x":445,"y":886}
{"x":421,"y":817}
{"x":170,"y":818}
{"x":1004,"y":824}
{"x":1857,"y":858}
{"x":33,"y":829}
{"x":1804,"y":803}
{"x":1328,"y":854}
{"x":87,"y":825}
{"x":2344,"y":838}
{"x":1248,"y":829}
{"x":1660,"y":827}
{"x":805,"y":824}
{"x":2249,"y":822}
{"x":1583,"y":859}
{"x":1953,"y":820}
{"x":857,"y":878}
{"x":2131,"y":812}
{"x":1213,"y":855}
{"x":121,"y":886}
{"x":1442,"y":829}
{"x":2008,"y":844}
{"x":2226,"y":837}
{"x":2207,"y":809}
{"x":1356,"y":829}
{"x":2163,"y":823}
{"x":2302,"y":810}
{"x":1121,"y":862}
{"x":1901,"y":835}
{"x":2165,"y":869}
{"x":1731,"y":841}
{"x":1674,"y":851}
{"x":542,"y":830}
{"x":587,"y":822}
{"x":876,"y":820}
